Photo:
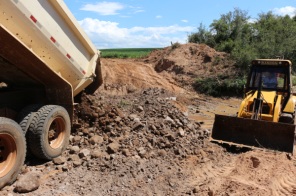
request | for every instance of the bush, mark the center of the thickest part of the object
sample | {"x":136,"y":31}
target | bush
{"x":175,"y":45}
{"x":220,"y":86}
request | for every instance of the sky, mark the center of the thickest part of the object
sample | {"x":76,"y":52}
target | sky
{"x":158,"y":23}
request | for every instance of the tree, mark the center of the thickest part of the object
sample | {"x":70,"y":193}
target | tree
{"x":269,"y":36}
{"x":230,"y":29}
{"x":276,"y":36}
{"x":202,"y":36}
{"x":232,"y":33}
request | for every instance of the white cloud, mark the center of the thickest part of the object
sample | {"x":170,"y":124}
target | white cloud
{"x":288,"y":10}
{"x":136,"y":9}
{"x":252,"y":20}
{"x":104,"y":8}
{"x":185,"y":21}
{"x":139,"y":11}
{"x":106,"y":34}
{"x":158,"y":16}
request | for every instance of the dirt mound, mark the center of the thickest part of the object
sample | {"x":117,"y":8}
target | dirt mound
{"x":129,"y":75}
{"x":186,"y":62}
{"x":173,"y":69}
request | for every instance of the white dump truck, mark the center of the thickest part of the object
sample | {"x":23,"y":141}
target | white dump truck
{"x":45,"y":61}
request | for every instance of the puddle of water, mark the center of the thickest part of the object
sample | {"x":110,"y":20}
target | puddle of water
{"x":208,"y":109}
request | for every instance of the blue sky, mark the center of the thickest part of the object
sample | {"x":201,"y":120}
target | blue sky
{"x":157,"y":23}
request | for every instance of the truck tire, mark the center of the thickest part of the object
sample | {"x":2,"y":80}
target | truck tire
{"x":49,"y":132}
{"x":25,"y":116}
{"x":13,"y":151}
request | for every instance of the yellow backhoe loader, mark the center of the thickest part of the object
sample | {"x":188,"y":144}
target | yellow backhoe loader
{"x":266,"y":116}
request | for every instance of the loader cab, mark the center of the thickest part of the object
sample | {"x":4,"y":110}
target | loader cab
{"x":270,"y":75}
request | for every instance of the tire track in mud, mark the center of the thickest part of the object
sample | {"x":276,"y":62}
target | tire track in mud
{"x":265,"y":172}
{"x":209,"y":172}
{"x":221,"y":170}
{"x":218,"y":176}
{"x":238,"y":178}
{"x":284,"y":185}
{"x":255,"y":172}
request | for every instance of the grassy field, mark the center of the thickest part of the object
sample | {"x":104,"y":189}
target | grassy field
{"x":126,"y":52}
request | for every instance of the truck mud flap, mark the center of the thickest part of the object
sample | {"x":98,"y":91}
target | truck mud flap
{"x":98,"y":80}
{"x":253,"y":133}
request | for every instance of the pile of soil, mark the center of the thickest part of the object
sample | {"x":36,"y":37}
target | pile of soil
{"x":187,"y":62}
{"x":174,"y":69}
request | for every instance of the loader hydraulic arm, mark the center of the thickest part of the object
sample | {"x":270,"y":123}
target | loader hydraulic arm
{"x":257,"y":107}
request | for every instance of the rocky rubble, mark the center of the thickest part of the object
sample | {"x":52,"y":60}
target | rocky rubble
{"x":138,"y":138}
{"x":147,"y":125}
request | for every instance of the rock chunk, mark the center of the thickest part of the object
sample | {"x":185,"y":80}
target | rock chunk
{"x":27,"y":183}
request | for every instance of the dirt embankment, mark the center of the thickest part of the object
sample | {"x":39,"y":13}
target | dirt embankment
{"x":172,"y":69}
{"x":145,"y":133}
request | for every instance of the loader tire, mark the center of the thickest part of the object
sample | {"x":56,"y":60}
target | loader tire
{"x":49,"y":132}
{"x":12,"y":151}
{"x":286,"y":118}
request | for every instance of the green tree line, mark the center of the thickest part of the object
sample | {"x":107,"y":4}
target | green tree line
{"x":245,"y":39}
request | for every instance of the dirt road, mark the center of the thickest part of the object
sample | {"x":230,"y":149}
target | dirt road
{"x":143,"y":134}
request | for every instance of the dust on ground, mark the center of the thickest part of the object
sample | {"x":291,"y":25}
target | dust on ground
{"x":145,"y":132}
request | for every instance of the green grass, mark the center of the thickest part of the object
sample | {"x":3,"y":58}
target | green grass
{"x":124,"y":53}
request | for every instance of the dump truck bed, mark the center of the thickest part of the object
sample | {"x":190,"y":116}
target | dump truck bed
{"x":45,"y":57}
{"x":48,"y":30}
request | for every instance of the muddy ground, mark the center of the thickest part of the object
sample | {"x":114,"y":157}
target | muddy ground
{"x":146,"y":132}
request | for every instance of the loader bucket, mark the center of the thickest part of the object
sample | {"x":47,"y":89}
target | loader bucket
{"x":251,"y":133}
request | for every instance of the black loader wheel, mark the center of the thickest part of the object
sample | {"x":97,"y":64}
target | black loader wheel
{"x":286,"y":118}
{"x":49,"y":132}
{"x":12,"y":151}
